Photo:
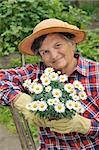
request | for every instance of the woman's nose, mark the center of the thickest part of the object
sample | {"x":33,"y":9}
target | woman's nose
{"x":53,"y":54}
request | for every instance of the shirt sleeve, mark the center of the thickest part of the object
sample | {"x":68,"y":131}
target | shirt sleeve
{"x":92,"y":102}
{"x":94,"y":130}
{"x":11,"y":81}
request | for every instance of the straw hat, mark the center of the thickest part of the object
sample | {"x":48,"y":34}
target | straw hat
{"x":50,"y":26}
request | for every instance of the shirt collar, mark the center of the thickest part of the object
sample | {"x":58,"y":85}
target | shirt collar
{"x":82,"y":65}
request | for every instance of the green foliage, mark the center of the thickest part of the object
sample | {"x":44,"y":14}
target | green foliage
{"x":6,"y":118}
{"x":92,"y":7}
{"x":28,"y":60}
{"x":32,"y":59}
{"x":90,"y":47}
{"x":18,"y":18}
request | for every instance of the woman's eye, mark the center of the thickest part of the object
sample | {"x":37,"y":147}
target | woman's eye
{"x":44,"y":52}
{"x":58,"y":45}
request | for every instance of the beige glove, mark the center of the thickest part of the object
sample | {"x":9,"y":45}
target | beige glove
{"x":20,"y":103}
{"x":77,"y":124}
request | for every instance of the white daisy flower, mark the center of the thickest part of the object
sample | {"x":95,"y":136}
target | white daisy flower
{"x":48,"y":70}
{"x":56,"y":100}
{"x":34,"y":106}
{"x":77,"y":105}
{"x":77,"y":84}
{"x":50,"y":101}
{"x":43,"y":76}
{"x":70,"y":104}
{"x":68,"y":87}
{"x":53,"y":76}
{"x":63,"y":78}
{"x":48,"y":88}
{"x":81,"y":110}
{"x":75,"y":97}
{"x":46,"y":81}
{"x":59,"y":72}
{"x":57,"y":93}
{"x":81,"y":88}
{"x":42,"y":106}
{"x":31,"y":87}
{"x":38,"y":88}
{"x":72,"y":92}
{"x":82,"y":95}
{"x":60,"y":108}
{"x":27,"y":83}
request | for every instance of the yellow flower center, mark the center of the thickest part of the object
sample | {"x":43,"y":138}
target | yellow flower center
{"x":82,"y":95}
{"x":56,"y":93}
{"x":69,"y":87}
{"x":59,"y":107}
{"x":53,"y":76}
{"x":71,"y":91}
{"x":42,"y":106}
{"x":37,"y":88}
{"x":46,"y":80}
{"x":70,"y":104}
{"x":32,"y":86}
{"x":76,"y":105}
{"x":34,"y":106}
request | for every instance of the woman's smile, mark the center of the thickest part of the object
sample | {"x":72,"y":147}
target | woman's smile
{"x":58,"y":60}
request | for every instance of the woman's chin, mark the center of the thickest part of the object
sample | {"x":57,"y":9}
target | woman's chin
{"x":59,"y":67}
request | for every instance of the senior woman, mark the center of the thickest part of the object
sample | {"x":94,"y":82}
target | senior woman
{"x":55,"y":41}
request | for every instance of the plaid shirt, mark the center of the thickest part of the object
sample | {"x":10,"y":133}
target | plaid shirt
{"x":88,"y":73}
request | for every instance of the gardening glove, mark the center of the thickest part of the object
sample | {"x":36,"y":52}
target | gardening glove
{"x":77,"y":124}
{"x":20,"y":103}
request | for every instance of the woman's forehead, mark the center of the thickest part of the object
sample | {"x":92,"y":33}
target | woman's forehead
{"x":54,"y":37}
{"x":51,"y":39}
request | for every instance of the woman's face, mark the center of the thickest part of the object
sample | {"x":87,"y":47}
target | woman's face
{"x":57,"y":51}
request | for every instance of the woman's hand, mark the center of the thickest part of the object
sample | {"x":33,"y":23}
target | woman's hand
{"x":77,"y":124}
{"x":20,"y":103}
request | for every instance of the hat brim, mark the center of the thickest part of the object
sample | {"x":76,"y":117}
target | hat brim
{"x":25,"y":45}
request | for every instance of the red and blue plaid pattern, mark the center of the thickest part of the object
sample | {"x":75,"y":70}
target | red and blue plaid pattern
{"x":88,"y":73}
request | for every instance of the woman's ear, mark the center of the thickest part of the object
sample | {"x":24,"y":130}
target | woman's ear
{"x":73,"y":45}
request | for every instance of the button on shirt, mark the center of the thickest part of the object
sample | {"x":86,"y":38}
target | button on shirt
{"x":87,"y":72}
